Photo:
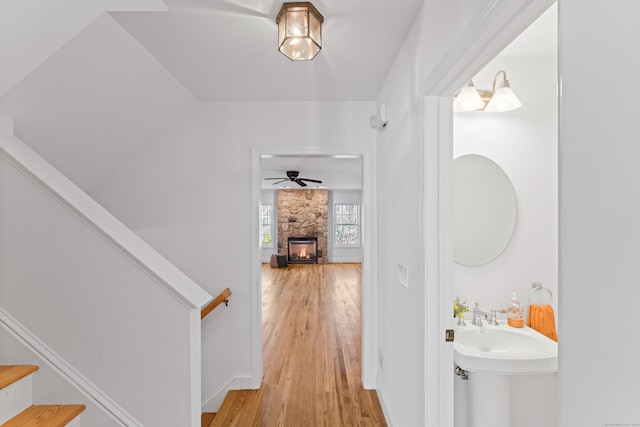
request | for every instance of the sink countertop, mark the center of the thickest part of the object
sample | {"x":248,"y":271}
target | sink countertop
{"x":504,"y":350}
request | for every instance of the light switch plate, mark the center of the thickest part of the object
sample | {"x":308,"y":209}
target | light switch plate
{"x":403,"y":275}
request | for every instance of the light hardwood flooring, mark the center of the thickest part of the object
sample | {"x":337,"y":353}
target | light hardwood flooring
{"x":312,"y":353}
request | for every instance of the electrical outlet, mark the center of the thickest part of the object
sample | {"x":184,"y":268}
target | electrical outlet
{"x":403,"y":275}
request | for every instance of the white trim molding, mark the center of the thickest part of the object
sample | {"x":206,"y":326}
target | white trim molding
{"x":129,"y":245}
{"x":195,"y":366}
{"x":368,"y":227}
{"x":66,"y":371}
{"x":212,"y":402}
{"x":492,"y":29}
{"x":389,"y":417}
{"x":103,"y":223}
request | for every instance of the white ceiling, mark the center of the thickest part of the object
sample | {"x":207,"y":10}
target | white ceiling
{"x":118,"y":76}
{"x":335,"y":173}
{"x":124,"y":73}
{"x":227,"y":49}
{"x":540,"y":39}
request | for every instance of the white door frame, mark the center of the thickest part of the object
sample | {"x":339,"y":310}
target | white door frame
{"x":492,"y":29}
{"x":369,"y":282}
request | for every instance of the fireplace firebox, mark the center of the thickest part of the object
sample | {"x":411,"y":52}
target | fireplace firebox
{"x":303,"y":250}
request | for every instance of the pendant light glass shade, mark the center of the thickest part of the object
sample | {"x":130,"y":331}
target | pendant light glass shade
{"x":299,"y":31}
{"x":503,"y":100}
{"x":468,"y":99}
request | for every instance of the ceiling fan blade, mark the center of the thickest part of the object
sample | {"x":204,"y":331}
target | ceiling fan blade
{"x":300,"y":183}
{"x":278,"y":182}
{"x":276,"y":178}
{"x":311,"y":180}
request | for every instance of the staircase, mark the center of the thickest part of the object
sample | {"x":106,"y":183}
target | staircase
{"x":207,"y":419}
{"x":239,"y":408}
{"x":16,"y":402}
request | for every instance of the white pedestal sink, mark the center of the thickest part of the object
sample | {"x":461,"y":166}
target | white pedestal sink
{"x":492,"y":356}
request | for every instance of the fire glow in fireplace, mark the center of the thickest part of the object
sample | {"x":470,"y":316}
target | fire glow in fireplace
{"x":303,"y":250}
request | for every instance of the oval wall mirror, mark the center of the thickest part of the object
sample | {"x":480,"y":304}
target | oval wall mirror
{"x":484,"y":210}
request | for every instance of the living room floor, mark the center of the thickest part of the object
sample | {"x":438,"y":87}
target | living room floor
{"x":312,"y":353}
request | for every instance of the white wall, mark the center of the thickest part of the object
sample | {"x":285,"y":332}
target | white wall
{"x":342,"y":253}
{"x":101,"y":96}
{"x":187,"y":192}
{"x":400,"y":212}
{"x":38,"y":30}
{"x":599,"y":384}
{"x":524,"y":143}
{"x":99,"y":303}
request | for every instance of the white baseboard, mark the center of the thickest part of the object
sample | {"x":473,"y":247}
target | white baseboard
{"x":239,"y":382}
{"x":346,"y":260}
{"x":388,"y":415}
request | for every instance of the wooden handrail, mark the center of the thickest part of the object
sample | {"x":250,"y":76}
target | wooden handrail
{"x":222,"y":298}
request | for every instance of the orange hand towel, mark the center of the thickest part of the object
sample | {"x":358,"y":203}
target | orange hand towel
{"x":542,"y":319}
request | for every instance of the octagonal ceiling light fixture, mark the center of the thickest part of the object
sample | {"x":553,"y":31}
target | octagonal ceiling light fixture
{"x":299,"y":31}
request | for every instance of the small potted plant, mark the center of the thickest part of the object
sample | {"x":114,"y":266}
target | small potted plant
{"x":459,"y":309}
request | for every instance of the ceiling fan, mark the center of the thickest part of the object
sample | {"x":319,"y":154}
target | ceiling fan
{"x":293,"y":176}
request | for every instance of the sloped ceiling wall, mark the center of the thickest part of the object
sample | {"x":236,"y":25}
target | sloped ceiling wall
{"x":225,"y":50}
{"x":95,"y":100}
{"x":32,"y":30}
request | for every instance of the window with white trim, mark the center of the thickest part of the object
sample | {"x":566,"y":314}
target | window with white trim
{"x":346,"y":223}
{"x":266,"y":226}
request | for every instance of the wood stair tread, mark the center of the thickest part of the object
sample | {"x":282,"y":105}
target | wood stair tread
{"x":9,"y":374}
{"x":45,"y":416}
{"x":207,"y":418}
{"x":232,"y":410}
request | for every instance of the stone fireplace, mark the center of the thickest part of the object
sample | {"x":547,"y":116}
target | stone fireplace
{"x":303,"y":214}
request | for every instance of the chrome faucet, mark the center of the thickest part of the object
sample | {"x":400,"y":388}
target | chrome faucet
{"x":476,"y":318}
{"x":492,"y":318}
{"x":493,"y":321}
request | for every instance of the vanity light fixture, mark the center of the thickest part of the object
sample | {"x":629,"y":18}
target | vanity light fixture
{"x":499,"y":100}
{"x":299,"y":31}
{"x":468,"y":99}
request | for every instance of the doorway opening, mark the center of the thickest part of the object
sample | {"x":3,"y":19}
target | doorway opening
{"x":262,"y":157}
{"x":493,"y":29}
{"x":522,"y":143}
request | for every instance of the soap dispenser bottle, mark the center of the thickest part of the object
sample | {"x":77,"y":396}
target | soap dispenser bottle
{"x":515,"y":313}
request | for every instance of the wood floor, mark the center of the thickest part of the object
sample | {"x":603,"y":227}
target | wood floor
{"x":312,"y":353}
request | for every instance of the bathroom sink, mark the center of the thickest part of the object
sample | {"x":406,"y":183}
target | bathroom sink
{"x":504,"y":350}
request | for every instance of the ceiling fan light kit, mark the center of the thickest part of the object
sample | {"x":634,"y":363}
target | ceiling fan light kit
{"x":293,"y":176}
{"x":299,"y":31}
